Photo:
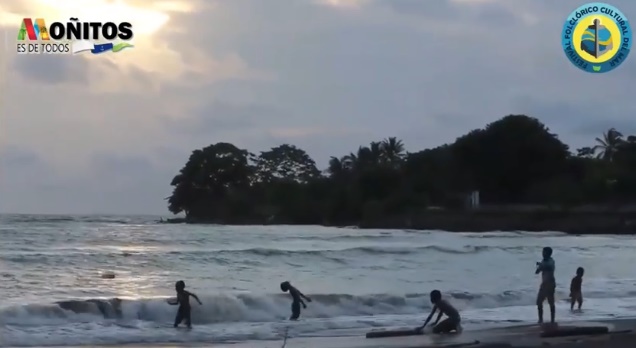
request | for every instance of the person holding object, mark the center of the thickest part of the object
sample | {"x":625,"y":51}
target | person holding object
{"x":548,"y":284}
{"x":452,"y":323}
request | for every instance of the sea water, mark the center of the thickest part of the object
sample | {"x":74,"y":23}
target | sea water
{"x":53,"y":290}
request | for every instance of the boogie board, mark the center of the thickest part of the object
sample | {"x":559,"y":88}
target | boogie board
{"x":172,"y":300}
{"x":575,"y":331}
{"x":393,"y":333}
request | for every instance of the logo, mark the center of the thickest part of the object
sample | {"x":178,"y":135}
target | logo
{"x":596,"y":37}
{"x":72,"y":37}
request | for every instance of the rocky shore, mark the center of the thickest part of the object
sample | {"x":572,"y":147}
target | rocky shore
{"x":573,"y":221}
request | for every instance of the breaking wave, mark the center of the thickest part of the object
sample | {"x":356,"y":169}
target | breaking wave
{"x":256,"y":255}
{"x":369,"y":250}
{"x":228,"y":308}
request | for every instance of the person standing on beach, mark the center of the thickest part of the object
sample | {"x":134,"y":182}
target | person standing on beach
{"x":576,"y":294}
{"x":183,"y":300}
{"x":548,"y":284}
{"x":297,"y":299}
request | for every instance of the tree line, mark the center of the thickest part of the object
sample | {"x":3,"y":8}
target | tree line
{"x":513,"y":161}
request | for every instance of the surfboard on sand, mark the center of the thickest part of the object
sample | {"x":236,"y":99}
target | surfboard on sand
{"x":393,"y":333}
{"x":408,"y":332}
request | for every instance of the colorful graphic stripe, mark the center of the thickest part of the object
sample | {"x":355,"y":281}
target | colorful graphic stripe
{"x":33,"y":30}
{"x":81,"y":46}
{"x":109,"y":47}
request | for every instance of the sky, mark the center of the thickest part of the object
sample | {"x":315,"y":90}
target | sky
{"x":105,"y":134}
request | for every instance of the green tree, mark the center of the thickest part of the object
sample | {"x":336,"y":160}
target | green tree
{"x":510,"y":156}
{"x":338,"y":167}
{"x":210,"y":177}
{"x":287,"y":176}
{"x":429,"y":175}
{"x":607,"y":146}
{"x":286,"y":162}
{"x":392,"y":150}
{"x":624,"y":158}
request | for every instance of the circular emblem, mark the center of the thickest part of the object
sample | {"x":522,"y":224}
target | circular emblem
{"x":596,"y":37}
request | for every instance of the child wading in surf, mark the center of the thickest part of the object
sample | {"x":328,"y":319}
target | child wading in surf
{"x":452,"y":323}
{"x":548,"y":284}
{"x":183,"y":300}
{"x":297,"y":299}
{"x":576,"y":295}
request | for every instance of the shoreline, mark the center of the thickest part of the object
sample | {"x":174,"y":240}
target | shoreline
{"x":621,"y":335}
{"x":572,"y":221}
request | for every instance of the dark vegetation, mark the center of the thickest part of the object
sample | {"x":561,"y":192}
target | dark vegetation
{"x":527,"y":179}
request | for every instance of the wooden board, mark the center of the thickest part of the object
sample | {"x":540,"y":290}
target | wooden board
{"x":575,"y":331}
{"x":393,"y":333}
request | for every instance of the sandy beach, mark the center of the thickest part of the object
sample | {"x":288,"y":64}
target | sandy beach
{"x":622,"y":335}
{"x":623,"y":340}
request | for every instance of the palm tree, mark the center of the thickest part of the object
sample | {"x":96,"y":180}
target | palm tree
{"x":350,"y":161}
{"x":608,"y":146}
{"x":336,"y":166}
{"x":376,"y":151}
{"x":586,"y":152}
{"x":366,"y":157}
{"x":393,"y":149}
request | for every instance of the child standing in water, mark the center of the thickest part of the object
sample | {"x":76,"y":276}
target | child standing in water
{"x":548,"y":284}
{"x":452,"y":323}
{"x":183,"y":300}
{"x":297,"y":299}
{"x":576,"y":295}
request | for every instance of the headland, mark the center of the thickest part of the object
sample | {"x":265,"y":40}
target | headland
{"x":513,"y":174}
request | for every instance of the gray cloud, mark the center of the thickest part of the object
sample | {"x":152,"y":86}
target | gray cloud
{"x":15,"y":157}
{"x":107,"y":165}
{"x":52,"y":69}
{"x":136,"y":183}
{"x":219,"y":116}
{"x":443,"y":9}
{"x":582,"y":121}
{"x":23,"y":175}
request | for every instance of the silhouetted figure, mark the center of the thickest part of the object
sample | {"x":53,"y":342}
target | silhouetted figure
{"x":548,"y":284}
{"x":297,"y":299}
{"x":452,"y":323}
{"x":183,"y":300}
{"x":576,"y":294}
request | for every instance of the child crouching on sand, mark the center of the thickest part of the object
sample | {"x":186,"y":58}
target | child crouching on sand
{"x":576,"y":295}
{"x":452,"y":323}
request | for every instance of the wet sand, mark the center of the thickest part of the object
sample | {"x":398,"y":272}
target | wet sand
{"x":622,"y":335}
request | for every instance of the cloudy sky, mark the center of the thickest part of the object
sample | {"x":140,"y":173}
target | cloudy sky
{"x":105,"y":134}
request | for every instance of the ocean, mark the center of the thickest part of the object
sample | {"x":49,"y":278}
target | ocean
{"x":52,"y":289}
